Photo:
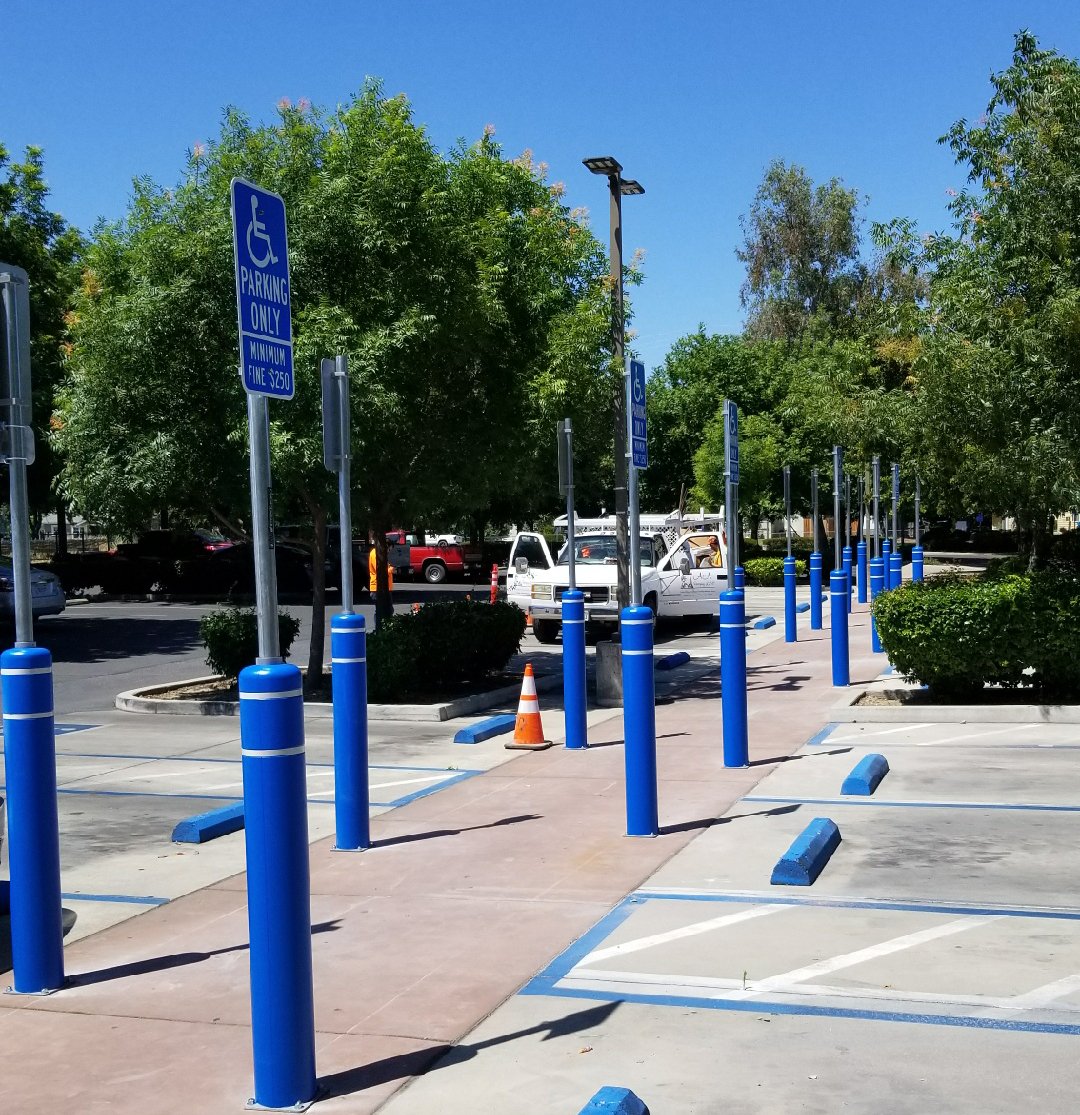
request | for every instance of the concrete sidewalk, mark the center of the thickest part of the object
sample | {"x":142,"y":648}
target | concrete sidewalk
{"x":518,"y":879}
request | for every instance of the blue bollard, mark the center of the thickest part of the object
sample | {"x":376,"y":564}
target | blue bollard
{"x":740,"y":578}
{"x":845,"y":560}
{"x":839,"y":608}
{"x":278,"y":883}
{"x":348,"y":656}
{"x":733,"y":678}
{"x":815,"y":591}
{"x":37,"y":931}
{"x":896,"y":569}
{"x":886,"y":553}
{"x":860,"y":561}
{"x":877,"y":587}
{"x":790,"y":631}
{"x":639,"y":721}
{"x":916,"y":563}
{"x":573,"y":664}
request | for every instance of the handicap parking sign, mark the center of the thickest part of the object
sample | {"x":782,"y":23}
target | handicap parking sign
{"x":263,"y":290}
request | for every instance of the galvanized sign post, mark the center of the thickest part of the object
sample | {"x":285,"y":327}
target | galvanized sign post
{"x":787,"y":506}
{"x":639,"y":458}
{"x":731,"y":488}
{"x":337,"y":457}
{"x":564,"y":438}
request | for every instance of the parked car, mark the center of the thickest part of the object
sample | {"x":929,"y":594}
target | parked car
{"x":46,"y":593}
{"x":232,"y":570}
{"x":436,"y":562}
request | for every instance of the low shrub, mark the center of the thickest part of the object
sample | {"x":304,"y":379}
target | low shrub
{"x":957,"y":634}
{"x":231,"y":638}
{"x":441,"y":646}
{"x":769,"y":572}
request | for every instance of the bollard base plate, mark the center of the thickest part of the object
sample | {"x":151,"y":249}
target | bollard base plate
{"x":335,"y":848}
{"x":43,"y":993}
{"x":300,"y":1105}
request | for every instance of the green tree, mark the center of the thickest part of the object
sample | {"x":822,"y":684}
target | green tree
{"x":801,"y":250}
{"x":448,"y":281}
{"x":40,"y":241}
{"x":998,"y":382}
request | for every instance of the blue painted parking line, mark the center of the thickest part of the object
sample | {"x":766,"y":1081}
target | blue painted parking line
{"x":551,"y":981}
{"x":67,"y":729}
{"x":133,"y":899}
{"x":1026,"y":807}
{"x":822,"y":736}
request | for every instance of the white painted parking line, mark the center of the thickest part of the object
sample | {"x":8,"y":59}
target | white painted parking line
{"x":693,"y":930}
{"x":1048,"y":993}
{"x":980,"y":734}
{"x":875,"y":734}
{"x":872,"y":952}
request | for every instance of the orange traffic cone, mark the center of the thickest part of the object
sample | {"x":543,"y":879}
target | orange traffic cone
{"x":528,"y":731}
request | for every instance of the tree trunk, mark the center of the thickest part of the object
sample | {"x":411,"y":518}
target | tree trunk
{"x":61,"y":526}
{"x":313,"y":682}
{"x":1041,"y":537}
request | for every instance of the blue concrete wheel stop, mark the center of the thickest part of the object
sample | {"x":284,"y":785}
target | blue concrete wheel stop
{"x":865,"y":775}
{"x":803,"y":607}
{"x":801,"y":864}
{"x":209,"y":826}
{"x":670,"y":661}
{"x":765,"y":621}
{"x":485,"y":729}
{"x":614,"y":1101}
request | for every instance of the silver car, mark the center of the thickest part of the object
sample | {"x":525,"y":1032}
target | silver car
{"x":46,"y":593}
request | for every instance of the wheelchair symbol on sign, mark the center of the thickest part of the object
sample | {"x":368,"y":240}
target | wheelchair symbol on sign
{"x":257,"y":230}
{"x":639,"y":391}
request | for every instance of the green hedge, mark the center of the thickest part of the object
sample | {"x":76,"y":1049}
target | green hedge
{"x":441,"y":646}
{"x":231,"y":638}
{"x":769,"y":572}
{"x":957,"y":634}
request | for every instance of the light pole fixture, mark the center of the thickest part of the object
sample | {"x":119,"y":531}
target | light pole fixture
{"x":611,"y":169}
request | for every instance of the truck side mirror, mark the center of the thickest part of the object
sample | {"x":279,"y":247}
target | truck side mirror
{"x":521,"y":565}
{"x":684,"y":564}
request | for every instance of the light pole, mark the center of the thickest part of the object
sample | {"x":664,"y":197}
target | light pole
{"x":611,"y":168}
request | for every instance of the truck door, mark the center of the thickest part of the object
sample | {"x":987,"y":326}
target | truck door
{"x":676,"y":587}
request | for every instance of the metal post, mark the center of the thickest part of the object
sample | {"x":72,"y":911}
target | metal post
{"x":26,"y":689}
{"x":837,"y":473}
{"x":733,"y":678}
{"x":730,"y":512}
{"x":348,"y":657}
{"x":633,"y":528}
{"x":896,"y":560}
{"x":341,"y":375}
{"x":877,"y":520}
{"x":278,"y":884}
{"x":787,"y":506}
{"x":568,"y":448}
{"x":861,"y":556}
{"x":573,"y":645}
{"x":639,"y":722}
{"x":815,"y":559}
{"x":917,"y":549}
{"x":262,"y":529}
{"x":622,"y":405}
{"x":15,"y":287}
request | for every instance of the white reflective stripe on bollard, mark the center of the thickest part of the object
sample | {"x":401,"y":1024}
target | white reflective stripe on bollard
{"x":27,"y":715}
{"x":344,"y":661}
{"x":271,"y":696}
{"x":25,"y":673}
{"x":637,"y":652}
{"x":271,"y":753}
{"x":566,"y":621}
{"x":632,"y":622}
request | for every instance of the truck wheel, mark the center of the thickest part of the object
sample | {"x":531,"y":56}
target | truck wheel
{"x":434,"y":572}
{"x":546,"y":630}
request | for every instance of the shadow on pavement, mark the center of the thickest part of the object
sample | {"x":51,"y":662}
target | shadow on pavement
{"x":100,"y":638}
{"x":173,"y":960}
{"x":792,"y":758}
{"x":413,"y":1064}
{"x":409,"y":838}
{"x":708,"y":822}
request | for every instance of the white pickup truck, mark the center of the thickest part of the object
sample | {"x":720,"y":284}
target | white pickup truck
{"x":677,"y":577}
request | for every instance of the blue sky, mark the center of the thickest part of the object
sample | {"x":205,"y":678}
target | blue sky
{"x":693,"y":97}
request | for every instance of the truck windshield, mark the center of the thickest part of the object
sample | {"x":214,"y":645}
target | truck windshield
{"x":600,"y":550}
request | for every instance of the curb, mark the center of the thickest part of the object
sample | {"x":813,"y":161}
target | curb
{"x":801,"y":864}
{"x":493,"y":726}
{"x":144,"y":700}
{"x":670,"y":661}
{"x":209,"y":826}
{"x":849,"y":712}
{"x":614,"y":1101}
{"x":765,"y":621}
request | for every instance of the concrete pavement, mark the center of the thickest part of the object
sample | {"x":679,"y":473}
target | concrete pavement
{"x":506,"y":940}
